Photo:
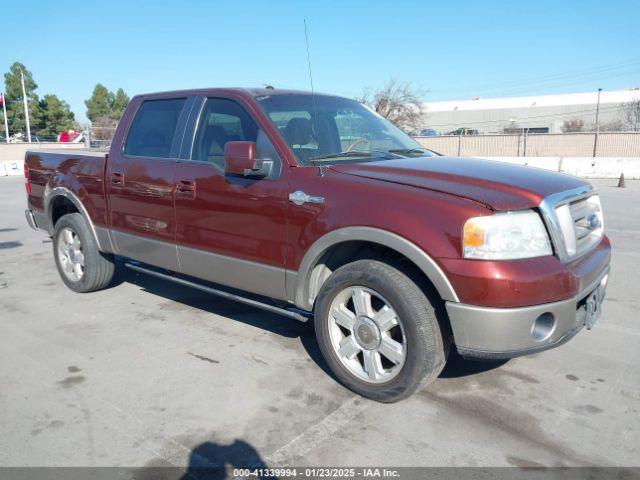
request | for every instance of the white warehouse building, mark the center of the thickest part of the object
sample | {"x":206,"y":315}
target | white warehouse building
{"x":536,"y":114}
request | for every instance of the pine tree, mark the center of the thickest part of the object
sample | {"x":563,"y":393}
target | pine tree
{"x":100,"y":103}
{"x":120,"y":102}
{"x":55,"y":117}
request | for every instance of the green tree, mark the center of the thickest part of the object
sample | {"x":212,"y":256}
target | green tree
{"x":55,"y":117}
{"x":120,"y":102}
{"x":13,"y":96}
{"x":100,"y":103}
{"x":104,"y":104}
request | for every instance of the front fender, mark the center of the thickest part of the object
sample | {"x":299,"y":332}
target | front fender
{"x":301,"y":294}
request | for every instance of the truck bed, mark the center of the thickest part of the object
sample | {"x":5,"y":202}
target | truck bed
{"x":81,"y":172}
{"x":93,"y":152}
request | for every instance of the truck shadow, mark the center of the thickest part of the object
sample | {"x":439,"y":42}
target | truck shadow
{"x":456,"y":366}
{"x":255,"y":317}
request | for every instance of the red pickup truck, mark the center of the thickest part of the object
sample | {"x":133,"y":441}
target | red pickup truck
{"x":316,"y":207}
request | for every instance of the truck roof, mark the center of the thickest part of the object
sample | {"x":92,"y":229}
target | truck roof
{"x":253,"y":92}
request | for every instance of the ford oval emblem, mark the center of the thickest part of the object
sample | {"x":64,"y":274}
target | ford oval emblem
{"x":593,"y":221}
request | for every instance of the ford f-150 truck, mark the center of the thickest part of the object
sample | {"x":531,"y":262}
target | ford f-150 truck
{"x":313,"y":206}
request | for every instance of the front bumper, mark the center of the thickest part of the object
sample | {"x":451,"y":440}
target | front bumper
{"x":494,"y":333}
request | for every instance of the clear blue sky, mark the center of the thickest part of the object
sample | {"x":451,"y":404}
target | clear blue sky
{"x":459,"y":49}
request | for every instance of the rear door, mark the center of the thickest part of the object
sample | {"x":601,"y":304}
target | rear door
{"x":230,"y":230}
{"x":140,"y":182}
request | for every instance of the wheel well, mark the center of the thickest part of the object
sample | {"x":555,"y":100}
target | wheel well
{"x":346,"y":252}
{"x":350,"y":251}
{"x":61,"y":206}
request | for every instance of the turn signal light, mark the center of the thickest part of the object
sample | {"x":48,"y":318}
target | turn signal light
{"x":473,"y":235}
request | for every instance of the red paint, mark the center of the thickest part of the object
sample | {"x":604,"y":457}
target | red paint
{"x":82,"y":174}
{"x":424,"y":200}
{"x":525,"y":282}
{"x":233,"y":216}
{"x":502,"y":186}
{"x":27,"y":183}
{"x":239,"y":157}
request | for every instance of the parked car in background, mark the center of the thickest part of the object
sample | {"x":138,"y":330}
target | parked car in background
{"x":68,"y":136}
{"x":464,"y":131}
{"x":429,"y":132}
{"x":315,"y":207}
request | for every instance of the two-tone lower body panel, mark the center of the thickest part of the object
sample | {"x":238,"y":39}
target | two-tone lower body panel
{"x":484,"y":332}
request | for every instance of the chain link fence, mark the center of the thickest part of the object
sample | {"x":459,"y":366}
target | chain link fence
{"x":625,"y":144}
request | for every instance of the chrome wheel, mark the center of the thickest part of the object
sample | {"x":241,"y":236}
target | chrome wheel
{"x":367,"y":335}
{"x":70,"y":254}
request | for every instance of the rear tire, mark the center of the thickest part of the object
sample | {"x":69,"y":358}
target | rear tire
{"x":387,"y":342}
{"x":82,"y":267}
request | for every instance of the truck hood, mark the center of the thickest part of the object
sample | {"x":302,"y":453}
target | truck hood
{"x":498,"y":185}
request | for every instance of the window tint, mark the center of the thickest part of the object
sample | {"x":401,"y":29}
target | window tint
{"x":221,"y":121}
{"x":153,"y":128}
{"x":280,"y":119}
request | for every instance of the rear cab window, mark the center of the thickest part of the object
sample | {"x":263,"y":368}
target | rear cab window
{"x":153,"y":130}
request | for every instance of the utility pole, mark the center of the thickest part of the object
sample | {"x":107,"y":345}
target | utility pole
{"x":595,"y":138}
{"x":6,"y":123}
{"x":26,"y":107}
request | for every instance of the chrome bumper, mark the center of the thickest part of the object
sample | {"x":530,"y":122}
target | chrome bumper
{"x":493,"y":333}
{"x":31,"y":220}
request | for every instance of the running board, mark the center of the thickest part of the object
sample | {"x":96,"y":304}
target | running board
{"x":296,"y":314}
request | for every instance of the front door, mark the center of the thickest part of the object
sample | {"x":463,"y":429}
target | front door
{"x":141,"y":181}
{"x":231,"y":230}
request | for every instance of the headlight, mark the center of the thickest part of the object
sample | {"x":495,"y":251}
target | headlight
{"x":505,"y":236}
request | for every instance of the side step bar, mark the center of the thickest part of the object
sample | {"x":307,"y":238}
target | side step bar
{"x":296,"y":314}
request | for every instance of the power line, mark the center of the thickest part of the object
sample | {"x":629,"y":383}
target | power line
{"x":546,"y":78}
{"x":608,"y":70}
{"x":554,"y":85}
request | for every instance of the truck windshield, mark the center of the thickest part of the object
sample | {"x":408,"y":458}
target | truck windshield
{"x":324,"y":129}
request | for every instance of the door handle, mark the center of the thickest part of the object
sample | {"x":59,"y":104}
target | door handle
{"x":117,"y":179}
{"x":186,"y":188}
{"x":300,"y":198}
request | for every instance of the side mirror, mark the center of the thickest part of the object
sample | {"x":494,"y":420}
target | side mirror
{"x":240,"y":159}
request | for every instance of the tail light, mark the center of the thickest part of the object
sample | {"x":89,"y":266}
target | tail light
{"x":27,"y":183}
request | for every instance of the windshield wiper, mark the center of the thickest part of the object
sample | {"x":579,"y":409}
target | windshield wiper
{"x":407,"y":151}
{"x":384,"y":153}
{"x":341,"y":154}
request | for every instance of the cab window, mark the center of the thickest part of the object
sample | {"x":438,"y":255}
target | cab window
{"x":221,"y":121}
{"x":153,"y":129}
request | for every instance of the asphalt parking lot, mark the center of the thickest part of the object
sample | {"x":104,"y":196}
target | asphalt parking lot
{"x":147,"y":373}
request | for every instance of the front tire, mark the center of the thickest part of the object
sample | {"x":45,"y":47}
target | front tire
{"x":82,"y":267}
{"x":378,"y":331}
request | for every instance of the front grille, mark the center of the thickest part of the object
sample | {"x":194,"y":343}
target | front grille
{"x":587,"y":223}
{"x":575,"y":222}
